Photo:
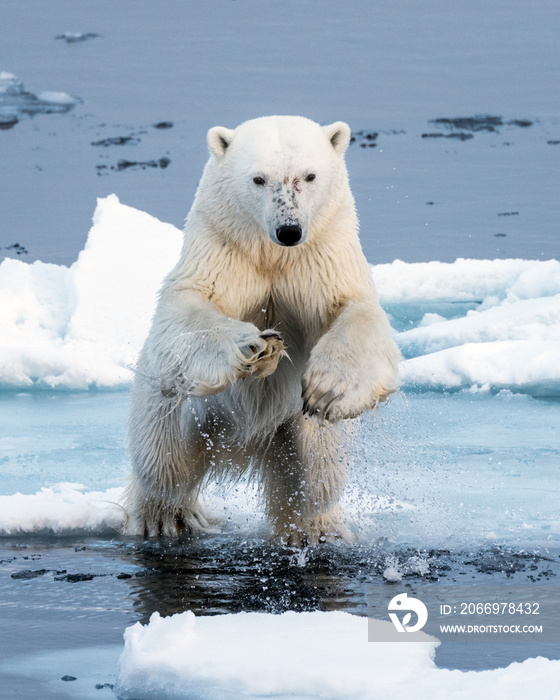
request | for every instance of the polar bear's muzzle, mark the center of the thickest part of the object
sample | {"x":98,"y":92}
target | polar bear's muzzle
{"x":289,"y":235}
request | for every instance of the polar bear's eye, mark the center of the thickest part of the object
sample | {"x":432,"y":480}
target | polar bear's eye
{"x":259,"y":181}
{"x":310,"y":177}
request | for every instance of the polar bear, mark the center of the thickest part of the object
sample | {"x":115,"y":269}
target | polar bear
{"x":268,"y":332}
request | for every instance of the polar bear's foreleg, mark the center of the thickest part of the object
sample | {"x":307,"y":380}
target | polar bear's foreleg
{"x":353,"y":366}
{"x":193,"y":350}
{"x":303,"y":476}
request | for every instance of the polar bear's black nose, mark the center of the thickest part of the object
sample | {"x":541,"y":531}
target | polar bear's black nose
{"x":288,"y":235}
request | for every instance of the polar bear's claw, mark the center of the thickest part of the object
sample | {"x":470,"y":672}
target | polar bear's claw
{"x":321,"y":406}
{"x":270,"y":333}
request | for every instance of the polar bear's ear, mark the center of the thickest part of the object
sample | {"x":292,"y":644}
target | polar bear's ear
{"x":339,"y":136}
{"x":219,"y":139}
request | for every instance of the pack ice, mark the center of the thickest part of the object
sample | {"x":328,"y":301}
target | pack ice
{"x":491,"y":324}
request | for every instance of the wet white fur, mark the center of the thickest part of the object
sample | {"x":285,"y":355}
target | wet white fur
{"x":212,"y":397}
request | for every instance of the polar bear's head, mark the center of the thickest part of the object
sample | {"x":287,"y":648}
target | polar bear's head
{"x":279,"y":173}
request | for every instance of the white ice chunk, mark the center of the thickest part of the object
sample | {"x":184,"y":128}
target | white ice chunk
{"x":16,"y":102}
{"x":530,"y":320}
{"x":84,"y":325}
{"x":304,"y":655}
{"x":61,"y":98}
{"x":61,"y":509}
{"x":527,"y":366}
{"x":463,"y":280}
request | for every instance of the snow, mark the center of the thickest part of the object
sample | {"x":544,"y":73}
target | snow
{"x":303,"y":655}
{"x":473,"y":323}
{"x":82,"y":326}
{"x":62,"y":509}
{"x":519,"y":365}
{"x":466,"y":280}
{"x":510,"y":340}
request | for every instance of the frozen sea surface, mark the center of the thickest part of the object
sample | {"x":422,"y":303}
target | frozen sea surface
{"x":430,"y":471}
{"x":444,"y":488}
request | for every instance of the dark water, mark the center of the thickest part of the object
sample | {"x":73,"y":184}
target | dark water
{"x":61,"y":593}
{"x":469,"y":76}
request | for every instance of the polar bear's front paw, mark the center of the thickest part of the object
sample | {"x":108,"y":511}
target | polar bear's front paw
{"x":334,"y":392}
{"x":264,"y":361}
{"x":151,"y":519}
{"x":253,"y":353}
{"x":320,"y":529}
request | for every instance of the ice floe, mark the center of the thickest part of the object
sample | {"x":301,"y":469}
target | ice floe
{"x":61,"y":509}
{"x":16,"y":102}
{"x":304,"y":655}
{"x":490,"y":324}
